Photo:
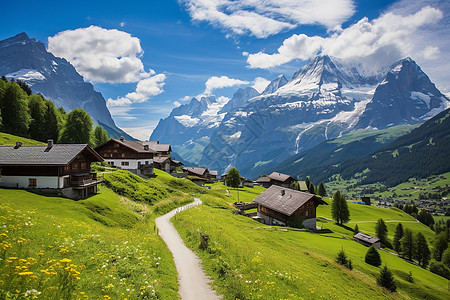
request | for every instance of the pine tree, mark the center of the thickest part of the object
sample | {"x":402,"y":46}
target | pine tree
{"x":37,"y":111}
{"x":440,"y":245}
{"x":339,"y":208}
{"x":51,"y":127}
{"x":356,"y":229}
{"x":14,"y":108}
{"x":386,"y":279}
{"x":78,"y":127}
{"x":381,"y":231}
{"x":407,"y":244}
{"x":311,"y":188}
{"x":373,"y":257}
{"x":397,"y":236}
{"x":321,"y":191}
{"x":307,"y":182}
{"x":421,"y":251}
{"x":100,"y":136}
{"x":341,"y":258}
{"x":234,"y":179}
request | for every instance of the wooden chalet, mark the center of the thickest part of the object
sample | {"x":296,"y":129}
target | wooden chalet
{"x":129,"y":155}
{"x":276,"y":178}
{"x":201,"y":174}
{"x":283,"y":206}
{"x":367,"y":240}
{"x":62,"y":169}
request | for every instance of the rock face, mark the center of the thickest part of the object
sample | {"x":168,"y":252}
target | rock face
{"x":325,"y":99}
{"x":55,"y":78}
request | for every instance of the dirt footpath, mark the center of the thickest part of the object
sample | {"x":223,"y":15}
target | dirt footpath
{"x":192,"y":281}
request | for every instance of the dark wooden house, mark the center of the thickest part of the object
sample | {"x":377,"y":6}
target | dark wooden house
{"x":367,"y":240}
{"x":62,"y":169}
{"x":276,"y":178}
{"x":283,"y":206}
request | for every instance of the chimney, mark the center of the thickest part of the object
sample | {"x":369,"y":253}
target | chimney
{"x":122,"y":139}
{"x":49,"y":144}
{"x":146,"y":147}
{"x":18,"y":144}
{"x":283,"y":192}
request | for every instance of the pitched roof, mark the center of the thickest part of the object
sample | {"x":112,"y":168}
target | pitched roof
{"x":137,"y":146}
{"x":263,"y":179}
{"x":57,"y":155}
{"x":279,"y":176}
{"x":366,"y":238}
{"x":160,"y":160}
{"x":156,"y":146}
{"x":195,"y":170}
{"x":213,"y":173}
{"x":303,"y":186}
{"x":283,"y":200}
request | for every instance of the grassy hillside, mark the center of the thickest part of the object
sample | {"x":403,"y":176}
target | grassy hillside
{"x":418,"y":154}
{"x":247,"y":261}
{"x":102,"y":247}
{"x":9,"y":139}
{"x":96,"y":248}
{"x":353,"y":145}
{"x":246,"y":194}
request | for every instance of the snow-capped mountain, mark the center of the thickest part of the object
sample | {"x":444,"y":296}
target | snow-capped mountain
{"x":55,"y":78}
{"x":240,"y":99}
{"x":325,"y":99}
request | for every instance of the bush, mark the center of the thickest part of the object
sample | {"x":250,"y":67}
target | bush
{"x":439,"y":268}
{"x":373,"y":257}
{"x":386,"y":279}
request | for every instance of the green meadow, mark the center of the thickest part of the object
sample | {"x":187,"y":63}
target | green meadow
{"x":9,"y":139}
{"x":248,"y":260}
{"x":246,"y":194}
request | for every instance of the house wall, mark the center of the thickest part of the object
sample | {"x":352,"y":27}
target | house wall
{"x":133,"y":163}
{"x":23,"y":181}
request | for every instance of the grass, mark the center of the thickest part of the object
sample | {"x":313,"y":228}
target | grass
{"x":246,"y":261}
{"x":94,"y":248}
{"x":366,"y":217}
{"x":9,"y":139}
{"x":246,"y":194}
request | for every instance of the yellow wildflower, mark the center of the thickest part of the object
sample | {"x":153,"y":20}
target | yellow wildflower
{"x":25,"y":273}
{"x":65,"y":260}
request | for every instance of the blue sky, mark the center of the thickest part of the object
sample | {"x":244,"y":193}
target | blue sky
{"x":147,"y":57}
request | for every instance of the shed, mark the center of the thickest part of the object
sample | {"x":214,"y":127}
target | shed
{"x":367,"y":240}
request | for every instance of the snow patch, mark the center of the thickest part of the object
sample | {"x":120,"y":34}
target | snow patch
{"x":25,"y":75}
{"x":236,"y":136}
{"x":421,"y":97}
{"x":187,"y":121}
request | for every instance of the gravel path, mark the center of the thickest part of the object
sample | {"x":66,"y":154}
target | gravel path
{"x":191,"y":278}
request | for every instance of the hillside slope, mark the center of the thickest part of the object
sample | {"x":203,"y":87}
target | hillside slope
{"x":420,"y":153}
{"x":248,"y":260}
{"x":9,"y":139}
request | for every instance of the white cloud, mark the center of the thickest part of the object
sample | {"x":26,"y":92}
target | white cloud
{"x":176,"y":103}
{"x":145,"y":89}
{"x":431,"y":52}
{"x":380,"y":42}
{"x":185,"y":98}
{"x":216,"y":82}
{"x":262,"y":18}
{"x":100,"y":55}
{"x":260,"y":84}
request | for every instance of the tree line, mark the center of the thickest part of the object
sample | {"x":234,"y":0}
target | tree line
{"x":29,"y":115}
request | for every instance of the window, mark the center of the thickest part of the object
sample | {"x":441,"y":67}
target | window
{"x":32,"y":182}
{"x":111,"y":163}
{"x":125,"y":163}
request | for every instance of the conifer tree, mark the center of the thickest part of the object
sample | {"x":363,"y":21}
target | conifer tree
{"x":78,"y":127}
{"x":440,"y":245}
{"x":311,"y":188}
{"x":37,"y":110}
{"x":14,"y":108}
{"x":356,"y":229}
{"x":341,"y":258}
{"x":373,"y":257}
{"x":100,"y":135}
{"x":321,"y":191}
{"x":339,"y":208}
{"x":234,"y":179}
{"x":421,"y":251}
{"x":397,"y":236}
{"x":407,"y":244}
{"x":381,"y":231}
{"x":51,"y":127}
{"x":386,"y":279}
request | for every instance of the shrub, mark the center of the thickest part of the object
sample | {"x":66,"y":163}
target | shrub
{"x":386,"y":279}
{"x":439,"y":268}
{"x":341,"y":259}
{"x":373,"y":257}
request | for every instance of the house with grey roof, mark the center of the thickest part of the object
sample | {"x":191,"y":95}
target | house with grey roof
{"x":276,"y":178}
{"x":367,"y":240}
{"x":62,"y":169}
{"x":286,"y":207}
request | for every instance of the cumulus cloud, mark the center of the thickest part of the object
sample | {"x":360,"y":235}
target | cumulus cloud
{"x":101,"y":55}
{"x":262,"y":18}
{"x":145,"y":89}
{"x":380,"y":41}
{"x":216,"y":82}
{"x":260,"y":84}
